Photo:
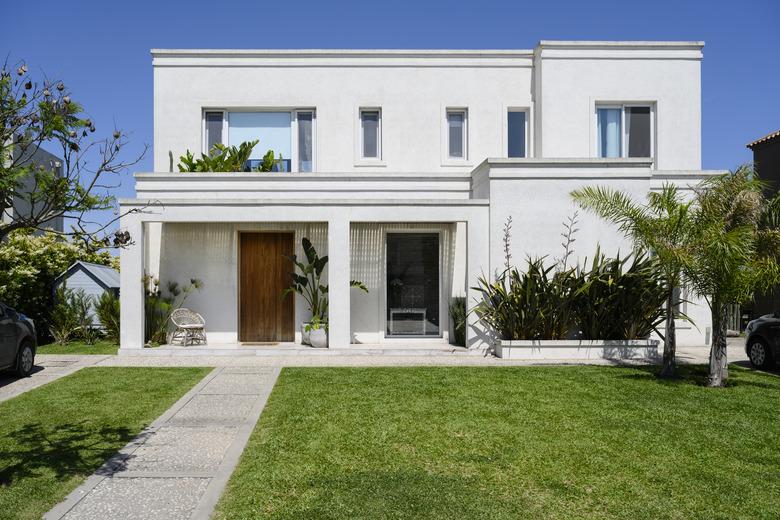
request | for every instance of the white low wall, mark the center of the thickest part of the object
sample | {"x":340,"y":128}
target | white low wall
{"x":577,"y":349}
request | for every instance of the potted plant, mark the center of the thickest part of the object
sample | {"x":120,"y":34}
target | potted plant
{"x":307,"y":283}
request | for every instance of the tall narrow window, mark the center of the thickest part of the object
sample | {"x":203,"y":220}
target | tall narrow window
{"x":515,"y":133}
{"x":370,"y":121}
{"x":305,"y":121}
{"x":638,"y":131}
{"x":213,"y":130}
{"x":456,"y":134}
{"x":609,"y":133}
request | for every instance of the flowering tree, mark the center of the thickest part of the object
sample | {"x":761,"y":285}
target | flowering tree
{"x":33,"y":114}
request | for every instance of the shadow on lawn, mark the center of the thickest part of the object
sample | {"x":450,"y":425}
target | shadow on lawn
{"x":697,"y":375}
{"x":401,"y":492}
{"x":63,"y":449}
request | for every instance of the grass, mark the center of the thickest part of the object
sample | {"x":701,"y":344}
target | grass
{"x":78,"y":347}
{"x":53,"y":437}
{"x":512,"y":442}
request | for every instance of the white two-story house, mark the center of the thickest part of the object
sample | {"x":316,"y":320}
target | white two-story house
{"x":403,"y":167}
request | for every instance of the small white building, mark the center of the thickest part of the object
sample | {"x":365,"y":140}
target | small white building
{"x":402,"y":166}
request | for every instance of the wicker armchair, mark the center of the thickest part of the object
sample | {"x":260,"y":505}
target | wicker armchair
{"x":190,"y":328}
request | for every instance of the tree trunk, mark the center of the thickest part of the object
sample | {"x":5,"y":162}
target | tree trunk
{"x":669,"y":368}
{"x":718,"y":362}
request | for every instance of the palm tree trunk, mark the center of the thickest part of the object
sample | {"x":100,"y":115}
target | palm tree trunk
{"x":669,"y":367}
{"x":718,"y":361}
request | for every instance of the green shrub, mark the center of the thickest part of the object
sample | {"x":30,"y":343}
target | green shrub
{"x":536,"y":304}
{"x":29,"y":264}
{"x":458,"y":315}
{"x":223,"y":158}
{"x":618,"y":300}
{"x":107,"y":310}
{"x":159,"y":306}
{"x":610,"y":300}
{"x":63,"y":321}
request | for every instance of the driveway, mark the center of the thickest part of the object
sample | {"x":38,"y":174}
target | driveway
{"x":47,"y":369}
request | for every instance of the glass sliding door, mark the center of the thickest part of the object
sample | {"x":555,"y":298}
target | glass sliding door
{"x":413,"y":284}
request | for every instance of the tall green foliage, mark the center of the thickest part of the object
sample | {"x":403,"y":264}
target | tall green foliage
{"x":307,"y":281}
{"x":734,"y":251}
{"x":29,"y":265}
{"x":610,"y":300}
{"x":662,"y":226}
{"x":107,"y":310}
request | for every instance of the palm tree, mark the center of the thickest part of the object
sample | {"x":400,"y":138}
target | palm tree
{"x":734,"y":251}
{"x":661,"y":226}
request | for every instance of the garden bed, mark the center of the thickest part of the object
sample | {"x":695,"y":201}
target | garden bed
{"x":639,"y":349}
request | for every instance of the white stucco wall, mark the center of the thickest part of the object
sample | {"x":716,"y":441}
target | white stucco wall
{"x":572,"y":80}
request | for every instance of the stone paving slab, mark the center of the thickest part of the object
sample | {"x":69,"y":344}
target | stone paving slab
{"x":224,"y":409}
{"x":178,"y":467}
{"x":185,"y":449}
{"x":234,"y":384}
{"x":140,"y":499}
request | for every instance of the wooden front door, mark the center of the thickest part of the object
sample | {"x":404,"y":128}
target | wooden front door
{"x":264,"y":316}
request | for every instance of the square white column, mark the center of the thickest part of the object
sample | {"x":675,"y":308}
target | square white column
{"x":131,"y":296}
{"x":477,"y":264}
{"x":339,"y":334}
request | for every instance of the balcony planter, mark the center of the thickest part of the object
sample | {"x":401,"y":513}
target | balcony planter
{"x":637,"y":349}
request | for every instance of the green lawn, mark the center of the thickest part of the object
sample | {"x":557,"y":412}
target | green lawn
{"x":77,"y":347}
{"x":522,"y":442}
{"x":53,"y":437}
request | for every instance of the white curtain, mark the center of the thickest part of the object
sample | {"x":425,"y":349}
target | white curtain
{"x":609,"y":132}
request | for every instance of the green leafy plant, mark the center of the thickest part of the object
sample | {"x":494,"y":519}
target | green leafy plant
{"x":316,"y":323}
{"x":307,"y":281}
{"x":458,"y":314}
{"x":107,"y":310}
{"x":733,"y":251}
{"x":223,"y":158}
{"x":159,"y":306}
{"x":63,"y":320}
{"x":82,"y":305}
{"x":618,"y":300}
{"x":662,"y":226}
{"x":29,"y":265}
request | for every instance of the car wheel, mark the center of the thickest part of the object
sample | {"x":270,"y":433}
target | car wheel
{"x":25,"y":360}
{"x":759,"y":354}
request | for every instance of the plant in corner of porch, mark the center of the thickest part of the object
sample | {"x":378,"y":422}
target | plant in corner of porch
{"x":662,"y":226}
{"x":734,"y":249}
{"x":458,"y":314}
{"x":307,"y":282}
{"x":158,"y":307}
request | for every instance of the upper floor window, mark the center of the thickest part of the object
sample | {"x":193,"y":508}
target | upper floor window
{"x":624,"y":130}
{"x":214,"y":122}
{"x":516,"y":132}
{"x":456,"y":133}
{"x":371,"y":133}
{"x":289,"y":134}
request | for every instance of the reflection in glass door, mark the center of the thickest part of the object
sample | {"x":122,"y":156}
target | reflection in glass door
{"x":413,"y":284}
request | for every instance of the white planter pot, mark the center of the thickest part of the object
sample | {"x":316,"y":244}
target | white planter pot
{"x":319,"y":338}
{"x":637,"y":349}
{"x":305,"y":334}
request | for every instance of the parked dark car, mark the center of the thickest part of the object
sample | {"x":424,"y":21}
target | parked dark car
{"x":17,"y":341}
{"x":762,"y":340}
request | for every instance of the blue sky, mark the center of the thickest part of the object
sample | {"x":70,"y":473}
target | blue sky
{"x":101,"y":50}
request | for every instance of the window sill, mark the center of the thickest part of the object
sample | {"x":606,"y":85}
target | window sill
{"x":370,"y":162}
{"x":463,"y":163}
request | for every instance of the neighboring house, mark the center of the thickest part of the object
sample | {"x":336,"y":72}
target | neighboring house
{"x":21,"y":206}
{"x":766,"y":159}
{"x":404,"y":166}
{"x":94,"y":279}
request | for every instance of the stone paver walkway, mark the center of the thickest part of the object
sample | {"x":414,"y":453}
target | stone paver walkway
{"x":47,"y":369}
{"x":178,"y":467}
